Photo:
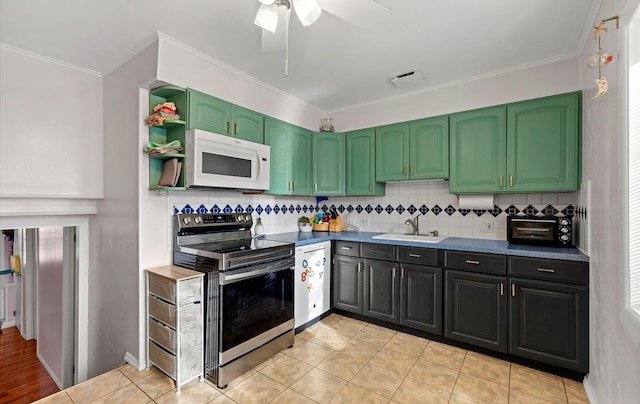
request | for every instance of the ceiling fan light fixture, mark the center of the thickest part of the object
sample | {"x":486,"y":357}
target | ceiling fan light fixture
{"x":267,"y":17}
{"x":308,"y":11}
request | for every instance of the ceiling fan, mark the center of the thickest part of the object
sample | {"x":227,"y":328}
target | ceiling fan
{"x":273,"y":17}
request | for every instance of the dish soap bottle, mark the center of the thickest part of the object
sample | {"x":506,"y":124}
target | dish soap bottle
{"x":258,"y":229}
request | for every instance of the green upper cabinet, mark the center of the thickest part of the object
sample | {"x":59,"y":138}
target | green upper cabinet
{"x":328,"y":164}
{"x":543,"y":144}
{"x":218,"y":116}
{"x":429,"y":148}
{"x":478,"y":151}
{"x":361,"y":164}
{"x":290,"y":158}
{"x":529,"y":146}
{"x":392,"y":152}
{"x":413,"y":150}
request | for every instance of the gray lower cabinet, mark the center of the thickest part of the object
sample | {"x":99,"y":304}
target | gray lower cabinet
{"x":346,"y":283}
{"x":476,"y":309}
{"x":382,"y":290}
{"x":549,"y":320}
{"x":421,"y":297}
{"x":175,"y":323}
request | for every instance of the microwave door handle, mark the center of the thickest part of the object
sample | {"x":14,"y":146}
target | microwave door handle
{"x":226,"y":279}
{"x":532,"y":229}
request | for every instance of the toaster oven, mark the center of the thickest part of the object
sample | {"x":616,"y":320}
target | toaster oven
{"x":549,"y":231}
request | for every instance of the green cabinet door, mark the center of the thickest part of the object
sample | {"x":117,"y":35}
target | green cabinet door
{"x":392,"y":152}
{"x":543,"y":144}
{"x":429,"y":148}
{"x":247,"y":124}
{"x":301,"y":160}
{"x":361,"y":164}
{"x":328,"y":164}
{"x":278,"y":136}
{"x":478,"y":151}
{"x":208,"y":113}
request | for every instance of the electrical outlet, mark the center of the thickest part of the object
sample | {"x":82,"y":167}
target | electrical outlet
{"x":364,"y":221}
{"x":486,"y":227}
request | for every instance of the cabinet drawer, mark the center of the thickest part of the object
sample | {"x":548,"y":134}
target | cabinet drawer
{"x":550,"y":270}
{"x":163,"y":335}
{"x":378,"y":251}
{"x":166,"y":289}
{"x":476,"y":262}
{"x":419,"y":256}
{"x":163,"y":311}
{"x":190,"y":360}
{"x":350,"y":248}
{"x":162,"y":359}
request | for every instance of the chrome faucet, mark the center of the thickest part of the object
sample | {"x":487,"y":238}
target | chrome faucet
{"x":414,"y":224}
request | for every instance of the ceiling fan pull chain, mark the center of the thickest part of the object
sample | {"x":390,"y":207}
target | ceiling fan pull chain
{"x":286,"y":42}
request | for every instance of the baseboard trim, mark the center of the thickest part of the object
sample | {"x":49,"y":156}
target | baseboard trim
{"x":48,"y":369}
{"x":8,"y":324}
{"x":132,"y":360}
{"x":588,"y":388}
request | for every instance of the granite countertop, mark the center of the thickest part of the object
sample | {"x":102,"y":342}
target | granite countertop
{"x":451,"y":243}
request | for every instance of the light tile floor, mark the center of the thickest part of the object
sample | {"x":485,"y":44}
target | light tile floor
{"x":342,"y":360}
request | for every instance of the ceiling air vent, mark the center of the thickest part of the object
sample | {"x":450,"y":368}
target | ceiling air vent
{"x":408,"y":80}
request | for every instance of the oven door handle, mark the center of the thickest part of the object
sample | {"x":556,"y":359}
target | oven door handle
{"x":226,"y":279}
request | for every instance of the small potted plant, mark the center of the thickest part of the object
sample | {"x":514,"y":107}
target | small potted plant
{"x":304,"y":224}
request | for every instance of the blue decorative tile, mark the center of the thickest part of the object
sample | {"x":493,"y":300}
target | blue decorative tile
{"x":175,"y":211}
{"x":341,"y":208}
{"x":268,"y":209}
{"x":249,"y":209}
{"x":389,"y":209}
{"x":400,"y":209}
{"x":202,"y":209}
{"x":530,"y":210}
{"x":379,"y":209}
{"x":549,"y":211}
{"x":276,"y":209}
{"x":464,"y":212}
{"x":479,"y":212}
{"x":569,"y":210}
{"x":512,"y":210}
{"x":227,"y":209}
{"x":436,"y":210}
{"x":412,"y":209}
{"x":298,"y":208}
{"x":495,"y":212}
{"x":359,"y":209}
{"x":368,"y":209}
{"x":450,"y":210}
{"x":239,"y":209}
{"x":259,"y":210}
{"x":305,"y":208}
{"x":292,"y":209}
{"x":187,"y":209}
{"x":423,"y":209}
{"x":215,"y":209}
{"x":325,"y":208}
{"x":350,"y":209}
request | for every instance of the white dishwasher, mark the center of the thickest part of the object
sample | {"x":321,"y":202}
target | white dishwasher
{"x":312,"y":294}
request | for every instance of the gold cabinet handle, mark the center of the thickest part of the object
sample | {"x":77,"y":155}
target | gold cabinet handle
{"x":511,"y":180}
{"x":228,"y":127}
{"x":501,"y":181}
{"x":501,"y":289}
{"x":513,"y":289}
{"x":315,"y":187}
{"x":546,"y":270}
{"x":370,"y":187}
{"x":472,"y":262}
{"x":404,"y":170}
{"x":413,"y":170}
{"x":293,"y":185}
{"x":235,"y":128}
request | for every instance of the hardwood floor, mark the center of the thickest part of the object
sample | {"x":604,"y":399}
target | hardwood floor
{"x":23,"y":379}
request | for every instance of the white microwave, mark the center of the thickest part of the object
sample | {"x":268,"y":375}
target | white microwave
{"x":219,"y":161}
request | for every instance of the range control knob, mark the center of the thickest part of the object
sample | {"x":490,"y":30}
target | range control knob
{"x":197,"y":220}
{"x":564,"y":237}
{"x":564,"y":230}
{"x":186,"y":219}
{"x":247,"y":218}
{"x":564,"y":222}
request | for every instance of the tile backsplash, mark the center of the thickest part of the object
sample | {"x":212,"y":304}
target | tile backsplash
{"x":438,"y":209}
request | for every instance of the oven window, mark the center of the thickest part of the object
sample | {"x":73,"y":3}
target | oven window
{"x":224,"y":165}
{"x":538,"y":230}
{"x":253,"y":306}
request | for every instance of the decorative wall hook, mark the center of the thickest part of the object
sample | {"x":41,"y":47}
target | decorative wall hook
{"x":601,"y":58}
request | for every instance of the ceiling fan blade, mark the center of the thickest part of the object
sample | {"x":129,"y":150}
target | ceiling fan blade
{"x":365,"y":14}
{"x":275,"y":42}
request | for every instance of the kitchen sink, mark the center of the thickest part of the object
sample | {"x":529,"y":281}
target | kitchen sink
{"x":420,"y":238}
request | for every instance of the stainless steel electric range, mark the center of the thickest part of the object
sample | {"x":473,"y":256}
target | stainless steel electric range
{"x":248,"y":290}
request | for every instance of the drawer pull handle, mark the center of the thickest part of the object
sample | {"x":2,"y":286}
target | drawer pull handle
{"x":414,"y":255}
{"x":474,"y":262}
{"x":346,"y":248}
{"x":546,"y":270}
{"x":376,"y":251}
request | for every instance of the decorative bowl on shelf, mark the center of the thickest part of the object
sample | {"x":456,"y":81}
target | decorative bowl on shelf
{"x":305,"y":227}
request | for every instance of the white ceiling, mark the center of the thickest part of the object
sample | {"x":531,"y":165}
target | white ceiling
{"x":332,"y":64}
